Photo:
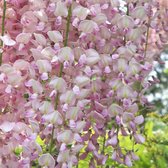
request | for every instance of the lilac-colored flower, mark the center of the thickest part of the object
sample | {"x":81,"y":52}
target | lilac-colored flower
{"x":139,"y":138}
{"x":139,"y":119}
{"x":113,"y":141}
{"x":128,"y":161}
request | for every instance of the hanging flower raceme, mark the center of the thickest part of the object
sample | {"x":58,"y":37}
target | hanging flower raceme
{"x":72,"y":79}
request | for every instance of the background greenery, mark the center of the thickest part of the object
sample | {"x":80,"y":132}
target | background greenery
{"x":154,"y":153}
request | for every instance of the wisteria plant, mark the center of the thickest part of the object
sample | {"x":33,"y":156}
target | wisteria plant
{"x":73,"y":72}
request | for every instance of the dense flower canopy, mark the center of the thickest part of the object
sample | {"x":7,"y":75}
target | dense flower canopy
{"x":73,"y":71}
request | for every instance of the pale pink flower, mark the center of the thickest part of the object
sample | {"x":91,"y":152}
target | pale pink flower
{"x":58,"y":84}
{"x":61,"y":9}
{"x":87,"y":26}
{"x":7,"y":40}
{"x":65,"y":136}
{"x":81,"y":12}
{"x":41,"y":40}
{"x":72,"y":113}
{"x":46,"y":160}
{"x":43,"y":66}
{"x":7,"y":126}
{"x":53,"y":117}
{"x":114,"y":110}
{"x":55,"y":36}
{"x":23,"y":38}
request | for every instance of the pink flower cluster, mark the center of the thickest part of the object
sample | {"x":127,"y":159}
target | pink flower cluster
{"x":72,"y":72}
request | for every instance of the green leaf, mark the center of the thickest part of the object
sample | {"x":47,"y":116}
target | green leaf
{"x":18,"y":150}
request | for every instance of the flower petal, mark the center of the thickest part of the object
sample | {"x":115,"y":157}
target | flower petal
{"x":7,"y":126}
{"x":7,"y":40}
{"x":55,"y":36}
{"x":46,"y":160}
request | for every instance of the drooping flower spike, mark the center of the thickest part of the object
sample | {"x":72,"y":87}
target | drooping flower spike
{"x":72,"y":79}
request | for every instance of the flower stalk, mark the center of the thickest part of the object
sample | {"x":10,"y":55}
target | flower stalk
{"x":60,"y":72}
{"x":3,"y":28}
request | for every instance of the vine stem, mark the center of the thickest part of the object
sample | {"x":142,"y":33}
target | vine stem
{"x":60,"y":72}
{"x":103,"y":148}
{"x":77,"y":166}
{"x":52,"y":140}
{"x":104,"y":140}
{"x":3,"y":28}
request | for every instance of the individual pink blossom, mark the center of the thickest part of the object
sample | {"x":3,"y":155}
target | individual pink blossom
{"x":7,"y":40}
{"x":7,"y":126}
{"x":55,"y":36}
{"x":46,"y":160}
